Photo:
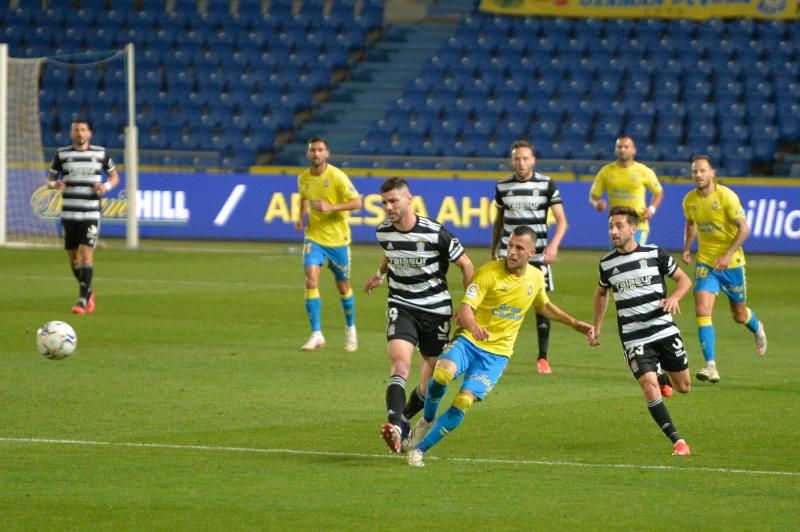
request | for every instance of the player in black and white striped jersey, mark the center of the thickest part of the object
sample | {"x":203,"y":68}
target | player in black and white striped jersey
{"x":525,"y":198}
{"x":417,"y":254}
{"x":635,"y":274}
{"x":77,"y":171}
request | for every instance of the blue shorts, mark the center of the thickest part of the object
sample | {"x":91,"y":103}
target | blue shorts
{"x":480,"y":368}
{"x":641,"y":236}
{"x":732,"y":281}
{"x":338,"y":258}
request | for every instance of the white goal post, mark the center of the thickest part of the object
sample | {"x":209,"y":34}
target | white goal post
{"x":23,"y":168}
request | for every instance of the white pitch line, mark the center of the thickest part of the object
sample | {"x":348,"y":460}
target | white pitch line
{"x":177,"y":282}
{"x":300,"y":452}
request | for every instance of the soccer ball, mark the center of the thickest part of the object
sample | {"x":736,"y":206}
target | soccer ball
{"x":56,"y":340}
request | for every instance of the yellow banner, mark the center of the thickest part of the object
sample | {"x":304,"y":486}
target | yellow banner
{"x":686,"y":9}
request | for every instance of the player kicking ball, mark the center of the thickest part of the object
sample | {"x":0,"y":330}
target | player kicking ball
{"x":489,"y":319}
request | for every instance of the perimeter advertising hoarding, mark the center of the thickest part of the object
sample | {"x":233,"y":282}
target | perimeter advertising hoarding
{"x":677,"y":9}
{"x":264,"y":207}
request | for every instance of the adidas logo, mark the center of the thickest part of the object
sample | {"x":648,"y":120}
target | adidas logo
{"x":614,"y":271}
{"x":389,"y":246}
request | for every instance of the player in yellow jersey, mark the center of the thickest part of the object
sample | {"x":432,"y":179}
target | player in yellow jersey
{"x":715,"y":216}
{"x":489,"y":319}
{"x":625,"y":181}
{"x":327,"y":196}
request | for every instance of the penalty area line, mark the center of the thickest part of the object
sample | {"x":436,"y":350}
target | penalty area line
{"x":342,"y":454}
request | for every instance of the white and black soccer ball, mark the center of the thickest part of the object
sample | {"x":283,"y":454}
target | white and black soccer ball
{"x":56,"y":340}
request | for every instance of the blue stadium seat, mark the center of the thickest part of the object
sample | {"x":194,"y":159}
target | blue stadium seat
{"x":764,"y":148}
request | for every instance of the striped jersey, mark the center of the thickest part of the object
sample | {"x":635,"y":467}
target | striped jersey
{"x":526,"y":203}
{"x":637,"y":281}
{"x":418,"y":261}
{"x":80,"y":170}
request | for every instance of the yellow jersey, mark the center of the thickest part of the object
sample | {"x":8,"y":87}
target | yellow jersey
{"x":327,"y":228}
{"x":626,"y":187}
{"x":500,"y":300}
{"x":715,"y":217}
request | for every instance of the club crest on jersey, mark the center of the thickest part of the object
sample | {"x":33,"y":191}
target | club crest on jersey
{"x":715,"y":205}
{"x":421,"y":246}
{"x":472,"y":291}
{"x":643,"y":263}
{"x":530,"y":289}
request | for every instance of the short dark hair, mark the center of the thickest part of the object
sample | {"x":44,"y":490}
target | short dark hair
{"x":521,"y":144}
{"x":393,"y":183}
{"x":312,"y":140}
{"x":629,"y":212}
{"x":702,"y":157}
{"x":81,"y":120}
{"x":522,"y":230}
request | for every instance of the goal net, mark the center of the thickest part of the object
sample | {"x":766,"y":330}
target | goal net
{"x":26,"y":219}
{"x":29,"y":211}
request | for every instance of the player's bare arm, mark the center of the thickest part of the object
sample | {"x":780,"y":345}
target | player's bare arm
{"x":497,"y":232}
{"x":671,"y":303}
{"x":113,"y":181}
{"x":56,"y":184}
{"x":601,"y":297}
{"x":350,"y":205}
{"x":550,"y":252}
{"x":743,"y":231}
{"x":466,"y":318}
{"x":650,"y":211}
{"x":551,"y":311}
{"x":304,"y":206}
{"x":377,"y":279}
{"x":597,"y":202}
{"x":467,"y":269}
{"x":689,"y":232}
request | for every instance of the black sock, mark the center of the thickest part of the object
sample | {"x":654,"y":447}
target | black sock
{"x":416,"y":401}
{"x":543,"y":332}
{"x":77,"y":273}
{"x":663,"y":380}
{"x":85,"y":279}
{"x":661,"y":415}
{"x":396,"y":399}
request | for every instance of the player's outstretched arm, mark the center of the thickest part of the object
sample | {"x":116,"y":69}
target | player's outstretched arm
{"x":551,"y":311}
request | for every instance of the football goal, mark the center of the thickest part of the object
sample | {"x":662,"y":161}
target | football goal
{"x":29,"y":211}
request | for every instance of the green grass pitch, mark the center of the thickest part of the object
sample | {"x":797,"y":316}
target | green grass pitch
{"x":188,"y":406}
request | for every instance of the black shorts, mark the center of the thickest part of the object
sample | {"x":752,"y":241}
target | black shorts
{"x":668,"y":352}
{"x":80,"y":232}
{"x":429,"y":332}
{"x":549,"y":286}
